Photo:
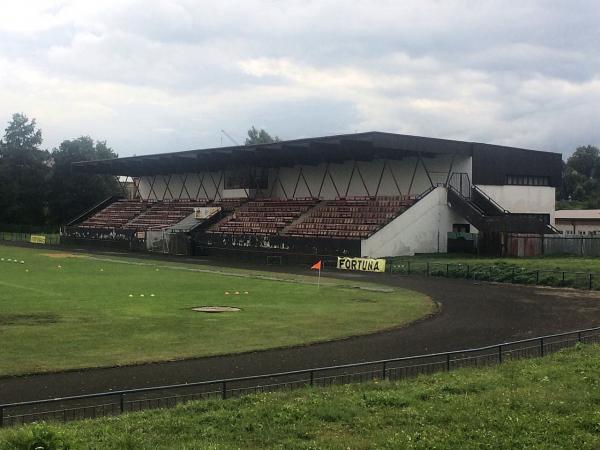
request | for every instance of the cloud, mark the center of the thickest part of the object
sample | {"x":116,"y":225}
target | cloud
{"x":157,"y":75}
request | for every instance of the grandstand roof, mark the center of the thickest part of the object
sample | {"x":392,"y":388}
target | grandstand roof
{"x":308,"y":151}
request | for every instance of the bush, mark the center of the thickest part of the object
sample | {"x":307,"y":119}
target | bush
{"x":37,"y":437}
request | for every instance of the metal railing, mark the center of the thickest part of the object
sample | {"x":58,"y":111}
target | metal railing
{"x":118,"y":402}
{"x":490,"y":199}
{"x":499,"y":273}
{"x":50,"y":239}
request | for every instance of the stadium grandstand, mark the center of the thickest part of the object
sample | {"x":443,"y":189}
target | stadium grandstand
{"x":367,"y":194}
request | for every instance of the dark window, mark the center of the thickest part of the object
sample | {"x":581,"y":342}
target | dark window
{"x":527,"y":180}
{"x":247,"y":179}
{"x":461,"y":228}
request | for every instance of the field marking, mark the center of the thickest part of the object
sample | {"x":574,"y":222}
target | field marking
{"x":27,"y":288}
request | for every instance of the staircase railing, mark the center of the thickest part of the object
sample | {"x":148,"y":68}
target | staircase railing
{"x":94,"y":209}
{"x":467,"y":200}
{"x":490,"y":199}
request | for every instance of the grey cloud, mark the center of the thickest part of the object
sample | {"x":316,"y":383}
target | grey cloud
{"x":518,"y":73}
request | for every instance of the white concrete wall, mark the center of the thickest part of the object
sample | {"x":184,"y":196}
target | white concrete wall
{"x":423,"y":228}
{"x":370,"y":170}
{"x":577,"y":227}
{"x":192,"y":184}
{"x":523,"y":199}
{"x":371,"y":173}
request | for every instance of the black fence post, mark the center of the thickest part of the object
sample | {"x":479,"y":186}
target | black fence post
{"x":448,"y":362}
{"x":384,"y":372}
{"x":468,"y":270}
{"x":537,"y":277}
{"x":447,"y":270}
{"x":512,"y":280}
{"x":590,"y":281}
{"x":541,"y":346}
{"x":579,"y":336}
{"x":122,"y":402}
{"x":500,"y":354}
{"x":408,"y":268}
{"x":312,"y":378}
{"x":563,"y":277}
{"x":224,"y":390}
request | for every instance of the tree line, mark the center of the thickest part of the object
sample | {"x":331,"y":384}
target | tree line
{"x":39,"y":187}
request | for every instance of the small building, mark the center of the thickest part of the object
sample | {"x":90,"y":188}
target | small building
{"x":578,"y":221}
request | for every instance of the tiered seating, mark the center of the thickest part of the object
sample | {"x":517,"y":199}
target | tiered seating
{"x":355,"y":218}
{"x":229,"y":204}
{"x":164,"y":214}
{"x":116,"y":214}
{"x":264,"y":216}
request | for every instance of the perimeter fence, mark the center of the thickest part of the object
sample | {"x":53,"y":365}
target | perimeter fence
{"x":31,"y":238}
{"x":118,"y":402}
{"x":502,"y":273}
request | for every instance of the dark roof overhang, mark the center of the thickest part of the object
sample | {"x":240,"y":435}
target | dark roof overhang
{"x":310,"y":151}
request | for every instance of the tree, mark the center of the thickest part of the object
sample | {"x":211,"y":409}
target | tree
{"x":71,"y":192}
{"x":24,"y":169}
{"x":20,"y":137}
{"x":259,"y":137}
{"x":586,"y":161}
{"x":581,"y":179}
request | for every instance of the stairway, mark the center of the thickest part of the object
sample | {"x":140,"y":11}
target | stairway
{"x":485,"y":214}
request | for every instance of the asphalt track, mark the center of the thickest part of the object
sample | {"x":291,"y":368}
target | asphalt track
{"x":471,"y":315}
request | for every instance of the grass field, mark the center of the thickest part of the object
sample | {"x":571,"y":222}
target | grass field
{"x":62,"y":311}
{"x":547,"y":403}
{"x":566,"y":271}
{"x":570,"y":263}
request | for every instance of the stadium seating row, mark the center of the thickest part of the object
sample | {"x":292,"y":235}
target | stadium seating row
{"x":263,"y":216}
{"x":116,"y":214}
{"x":351,"y":218}
{"x":145,"y":215}
{"x":163,"y":215}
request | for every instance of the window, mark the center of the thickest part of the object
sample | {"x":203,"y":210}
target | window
{"x":253,"y":178}
{"x":527,"y":180}
{"x":461,"y":228}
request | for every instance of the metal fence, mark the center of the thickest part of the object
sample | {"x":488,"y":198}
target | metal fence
{"x":49,"y":239}
{"x":499,"y":273}
{"x":119,"y":402}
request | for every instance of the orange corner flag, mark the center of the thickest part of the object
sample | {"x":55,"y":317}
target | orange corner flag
{"x":316,"y":266}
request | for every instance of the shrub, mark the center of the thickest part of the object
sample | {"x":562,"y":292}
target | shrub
{"x":37,"y":437}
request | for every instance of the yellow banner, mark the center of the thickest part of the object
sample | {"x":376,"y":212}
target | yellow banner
{"x":364,"y":264}
{"x":37,"y":239}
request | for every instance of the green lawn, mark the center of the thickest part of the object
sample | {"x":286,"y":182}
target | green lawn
{"x":567,"y":271}
{"x":61,"y":311}
{"x":571,"y":263}
{"x":547,"y":403}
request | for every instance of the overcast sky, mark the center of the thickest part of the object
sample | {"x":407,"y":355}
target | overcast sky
{"x":155,"y":75}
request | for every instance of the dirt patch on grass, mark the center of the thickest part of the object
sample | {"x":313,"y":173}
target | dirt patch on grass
{"x":216,"y":309}
{"x":365,"y":300}
{"x":62,"y":255}
{"x":28,"y":319}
